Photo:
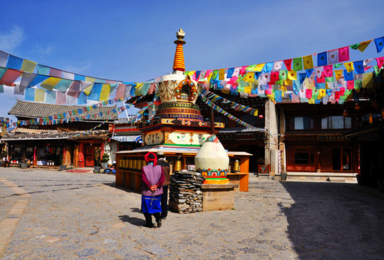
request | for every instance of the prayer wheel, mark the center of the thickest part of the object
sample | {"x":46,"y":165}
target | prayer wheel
{"x":130,"y":164}
{"x":177,"y":166}
{"x":143,"y":163}
{"x":236,"y":166}
{"x":134,"y":163}
{"x":138,"y":165}
{"x":125,"y":163}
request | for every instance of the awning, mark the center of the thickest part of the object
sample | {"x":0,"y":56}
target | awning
{"x":129,"y":138}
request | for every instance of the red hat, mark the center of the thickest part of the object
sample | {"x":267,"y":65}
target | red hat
{"x":151,"y":157}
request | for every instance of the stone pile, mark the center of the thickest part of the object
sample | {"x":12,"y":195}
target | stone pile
{"x":186,"y":195}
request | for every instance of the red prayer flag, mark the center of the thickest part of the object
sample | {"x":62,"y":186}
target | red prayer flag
{"x":274,"y":77}
{"x":380,"y":62}
{"x":242,"y":70}
{"x":321,"y":79}
{"x":344,"y":54}
{"x":350,"y":84}
{"x":288,"y":64}
{"x":328,"y":71}
{"x":10,"y":76}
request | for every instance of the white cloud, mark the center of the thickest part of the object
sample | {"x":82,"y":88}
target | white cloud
{"x":10,"y":40}
{"x":44,"y":50}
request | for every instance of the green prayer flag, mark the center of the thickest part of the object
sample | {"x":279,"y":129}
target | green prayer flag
{"x":283,"y":74}
{"x":329,"y":79}
{"x":338,"y":65}
{"x":355,"y":46}
{"x":377,"y":70}
{"x":297,"y":64}
{"x":279,"y":82}
{"x":358,"y":84}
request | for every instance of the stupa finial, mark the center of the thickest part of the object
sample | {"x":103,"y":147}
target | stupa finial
{"x":178,"y":63}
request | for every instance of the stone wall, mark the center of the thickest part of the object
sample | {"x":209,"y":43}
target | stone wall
{"x":186,"y":195}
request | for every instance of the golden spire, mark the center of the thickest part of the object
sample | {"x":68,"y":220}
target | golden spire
{"x":178,"y":63}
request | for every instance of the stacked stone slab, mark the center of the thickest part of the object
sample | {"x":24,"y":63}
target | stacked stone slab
{"x":186,"y":195}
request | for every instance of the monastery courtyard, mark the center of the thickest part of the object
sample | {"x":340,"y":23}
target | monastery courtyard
{"x":62,"y":215}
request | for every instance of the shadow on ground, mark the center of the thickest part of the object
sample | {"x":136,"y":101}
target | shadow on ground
{"x":133,"y":220}
{"x":331,"y":221}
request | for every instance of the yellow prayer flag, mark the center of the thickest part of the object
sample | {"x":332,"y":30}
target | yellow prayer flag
{"x":222,"y":74}
{"x":209,"y":76}
{"x":40,"y":95}
{"x":363,"y":45}
{"x":191,"y":73}
{"x":249,"y":77}
{"x":247,"y":90}
{"x":349,"y":66}
{"x":283,"y":88}
{"x":271,"y":97}
{"x":256,"y":112}
{"x":105,"y":90}
{"x":287,"y":82}
{"x":138,"y":88}
{"x":89,"y":79}
{"x":311,"y":101}
{"x":308,"y":84}
{"x":321,"y":93}
{"x":338,"y":74}
{"x":50,"y":83}
{"x":292,"y":75}
{"x":308,"y":62}
{"x":28,"y":66}
{"x":367,"y":80}
{"x":88,"y":89}
{"x":259,"y":67}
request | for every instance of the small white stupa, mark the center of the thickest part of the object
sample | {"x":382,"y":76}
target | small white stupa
{"x":212,"y":161}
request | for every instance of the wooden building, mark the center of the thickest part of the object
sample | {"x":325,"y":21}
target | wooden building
{"x":52,"y":145}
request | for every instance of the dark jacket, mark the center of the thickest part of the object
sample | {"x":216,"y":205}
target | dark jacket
{"x":166,"y":169}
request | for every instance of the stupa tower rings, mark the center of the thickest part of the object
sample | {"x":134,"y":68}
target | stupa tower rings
{"x":178,"y":92}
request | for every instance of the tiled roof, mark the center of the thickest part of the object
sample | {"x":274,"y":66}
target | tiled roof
{"x":35,"y":134}
{"x":34,"y":110}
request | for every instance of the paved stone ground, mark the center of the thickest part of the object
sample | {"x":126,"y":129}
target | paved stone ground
{"x":82,"y":216}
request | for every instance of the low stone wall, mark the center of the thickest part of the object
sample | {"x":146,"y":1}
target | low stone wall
{"x":186,"y":195}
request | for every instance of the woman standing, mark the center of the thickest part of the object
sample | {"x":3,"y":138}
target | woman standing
{"x":152,"y":177}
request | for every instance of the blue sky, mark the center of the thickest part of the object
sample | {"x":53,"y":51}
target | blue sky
{"x":133,"y":40}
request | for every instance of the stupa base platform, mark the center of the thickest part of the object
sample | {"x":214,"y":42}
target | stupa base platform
{"x":218,"y":196}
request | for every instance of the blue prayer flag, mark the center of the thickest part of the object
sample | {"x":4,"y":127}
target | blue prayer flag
{"x":379,"y":44}
{"x":14,"y":62}
{"x":230,"y":72}
{"x":30,"y":94}
{"x":197,"y":74}
{"x":320,"y":85}
{"x":268,"y":67}
{"x":82,"y":99}
{"x":302,"y":77}
{"x":37,"y":80}
{"x":296,"y":86}
{"x":309,"y":72}
{"x":359,"y":67}
{"x":79,"y":77}
{"x":348,"y":75}
{"x":95,"y":92}
{"x":257,"y":75}
{"x":322,"y":59}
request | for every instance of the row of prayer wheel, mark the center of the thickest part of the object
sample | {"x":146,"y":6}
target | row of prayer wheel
{"x":131,"y":164}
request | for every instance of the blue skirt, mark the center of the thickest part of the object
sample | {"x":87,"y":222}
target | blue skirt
{"x":151,"y":204}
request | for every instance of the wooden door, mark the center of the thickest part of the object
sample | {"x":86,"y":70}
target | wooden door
{"x":89,"y":156}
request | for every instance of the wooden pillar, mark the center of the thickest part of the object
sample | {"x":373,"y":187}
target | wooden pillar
{"x":75,"y":160}
{"x":34,"y":156}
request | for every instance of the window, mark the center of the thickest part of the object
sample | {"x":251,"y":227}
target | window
{"x":304,"y":157}
{"x":302,"y":123}
{"x":336,"y":122}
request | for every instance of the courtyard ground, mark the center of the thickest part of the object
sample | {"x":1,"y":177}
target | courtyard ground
{"x":65,"y":215}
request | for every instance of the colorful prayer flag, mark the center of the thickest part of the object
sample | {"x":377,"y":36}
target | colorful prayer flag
{"x":379,"y":44}
{"x":297,"y":64}
{"x":343,"y":54}
{"x":288,"y":64}
{"x":322,"y":59}
{"x":333,"y":56}
{"x":308,"y":62}
{"x":363,"y":45}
